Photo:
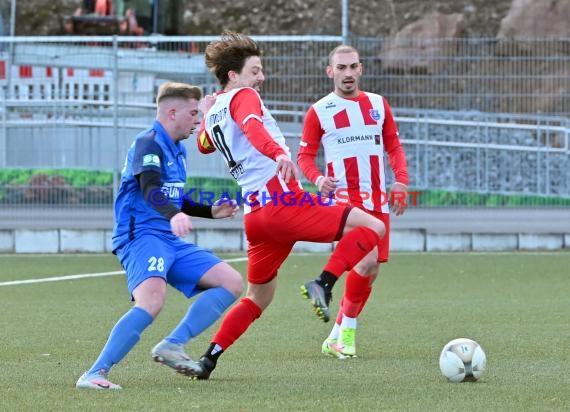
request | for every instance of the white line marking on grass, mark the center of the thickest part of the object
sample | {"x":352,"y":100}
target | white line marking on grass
{"x":58,"y":278}
{"x":85,"y":275}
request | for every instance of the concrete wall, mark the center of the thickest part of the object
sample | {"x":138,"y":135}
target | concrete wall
{"x":233,"y":240}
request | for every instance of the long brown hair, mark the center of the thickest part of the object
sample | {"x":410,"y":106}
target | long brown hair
{"x":230,"y":53}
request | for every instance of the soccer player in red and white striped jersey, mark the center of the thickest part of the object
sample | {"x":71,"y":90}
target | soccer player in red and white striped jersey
{"x":355,"y":129}
{"x":277,"y":212}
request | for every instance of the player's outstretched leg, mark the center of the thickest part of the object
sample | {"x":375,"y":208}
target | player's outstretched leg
{"x":350,"y":250}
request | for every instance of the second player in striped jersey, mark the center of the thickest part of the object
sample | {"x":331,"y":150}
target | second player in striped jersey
{"x":355,"y":129}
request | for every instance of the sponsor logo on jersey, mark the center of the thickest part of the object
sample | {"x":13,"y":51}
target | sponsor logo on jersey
{"x":237,"y":171}
{"x":174,"y":190}
{"x":218,"y":116}
{"x":330,"y":105}
{"x":151,"y":160}
{"x":352,"y":139}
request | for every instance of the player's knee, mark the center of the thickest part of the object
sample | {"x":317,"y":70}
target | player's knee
{"x":152,"y":304}
{"x":378,"y":226}
{"x":233,"y":282}
{"x":261,"y":296}
{"x":150,"y":295}
{"x":358,"y":217}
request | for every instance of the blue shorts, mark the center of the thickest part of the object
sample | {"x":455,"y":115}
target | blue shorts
{"x":181,"y":264}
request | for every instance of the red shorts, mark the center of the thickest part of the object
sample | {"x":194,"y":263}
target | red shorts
{"x":384,"y":244}
{"x":273,"y":229}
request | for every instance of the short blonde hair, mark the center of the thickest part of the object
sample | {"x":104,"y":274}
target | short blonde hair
{"x":178,"y":90}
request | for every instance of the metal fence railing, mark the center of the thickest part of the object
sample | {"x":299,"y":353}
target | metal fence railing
{"x":483,"y":122}
{"x":480,"y":74}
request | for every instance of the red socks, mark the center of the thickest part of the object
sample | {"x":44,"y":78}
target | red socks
{"x":350,"y":250}
{"x":356,"y":293}
{"x":236,"y":322}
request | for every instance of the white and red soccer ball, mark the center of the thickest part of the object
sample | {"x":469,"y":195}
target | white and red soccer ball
{"x":462,"y":360}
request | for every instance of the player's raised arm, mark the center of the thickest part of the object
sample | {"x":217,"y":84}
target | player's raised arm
{"x":397,"y":159}
{"x":245,"y":109}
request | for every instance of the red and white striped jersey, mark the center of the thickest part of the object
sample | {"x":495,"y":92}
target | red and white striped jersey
{"x":241,"y":128}
{"x":354,"y":133}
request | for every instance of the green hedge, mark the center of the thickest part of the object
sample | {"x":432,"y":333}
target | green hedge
{"x":442,"y":198}
{"x":56,"y":186}
{"x":73,"y":177}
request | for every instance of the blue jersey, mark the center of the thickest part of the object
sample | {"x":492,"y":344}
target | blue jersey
{"x":152,"y":150}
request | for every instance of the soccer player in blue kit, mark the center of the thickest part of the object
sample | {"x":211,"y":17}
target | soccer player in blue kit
{"x":151,"y":214}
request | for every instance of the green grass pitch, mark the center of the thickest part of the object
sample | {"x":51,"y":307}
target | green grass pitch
{"x":516,"y":305}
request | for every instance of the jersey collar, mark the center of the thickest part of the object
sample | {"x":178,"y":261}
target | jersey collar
{"x":162,"y":134}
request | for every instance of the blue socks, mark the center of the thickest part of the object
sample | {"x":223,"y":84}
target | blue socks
{"x":124,"y":336}
{"x":207,"y":308}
